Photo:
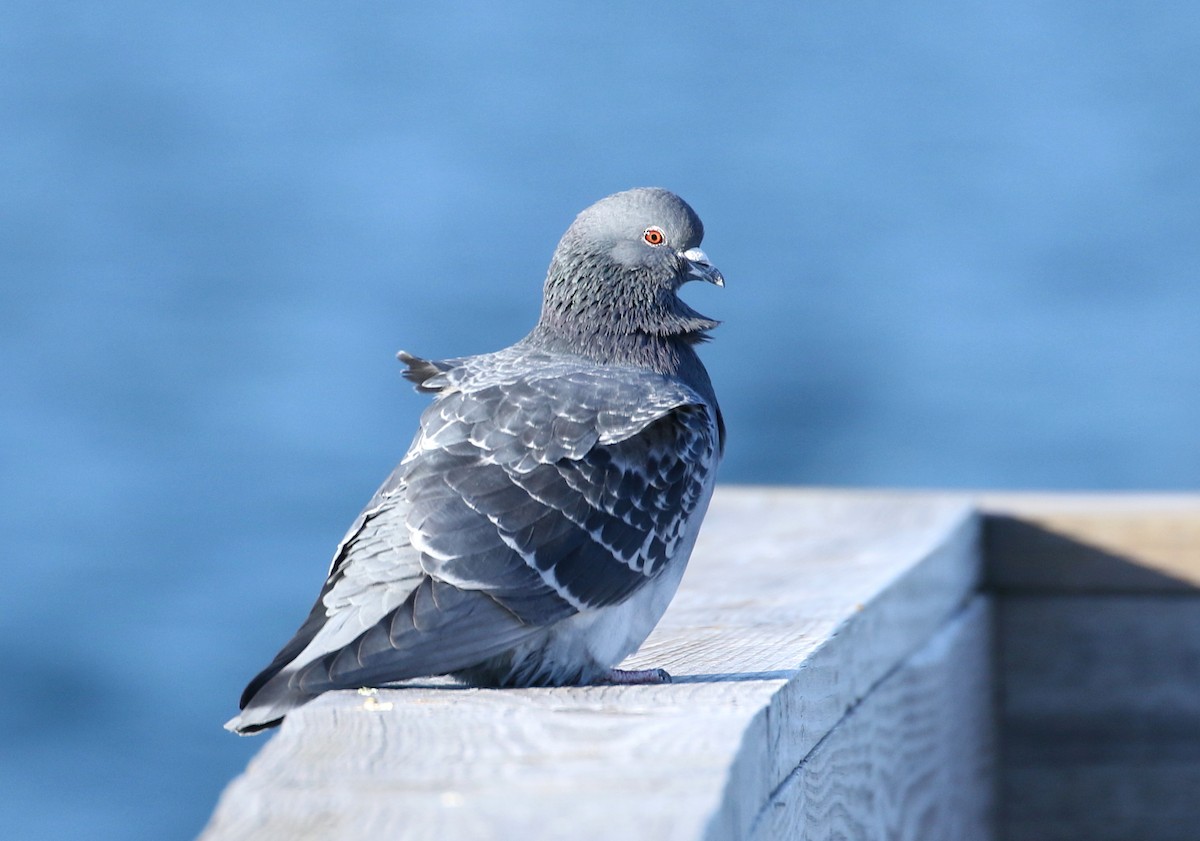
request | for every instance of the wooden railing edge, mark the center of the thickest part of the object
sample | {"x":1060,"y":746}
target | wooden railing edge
{"x":767,"y":669}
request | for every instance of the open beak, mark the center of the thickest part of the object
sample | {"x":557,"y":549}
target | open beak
{"x":698,"y":267}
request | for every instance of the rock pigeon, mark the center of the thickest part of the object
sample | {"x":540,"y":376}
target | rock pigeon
{"x":540,"y":522}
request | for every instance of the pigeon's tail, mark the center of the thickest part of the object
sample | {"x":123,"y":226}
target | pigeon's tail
{"x":268,"y":708}
{"x":438,"y":630}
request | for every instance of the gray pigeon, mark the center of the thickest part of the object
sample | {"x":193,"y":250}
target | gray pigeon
{"x":543,"y":516}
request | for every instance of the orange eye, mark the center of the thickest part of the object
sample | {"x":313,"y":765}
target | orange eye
{"x":654,"y":236}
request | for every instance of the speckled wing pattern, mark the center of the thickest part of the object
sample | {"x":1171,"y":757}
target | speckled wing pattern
{"x":538,"y":486}
{"x":559,"y":490}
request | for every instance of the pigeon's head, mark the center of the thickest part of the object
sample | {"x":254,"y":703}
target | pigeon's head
{"x":619,"y":267}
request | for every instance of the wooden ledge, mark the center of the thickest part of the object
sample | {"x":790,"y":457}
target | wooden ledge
{"x":797,"y":606}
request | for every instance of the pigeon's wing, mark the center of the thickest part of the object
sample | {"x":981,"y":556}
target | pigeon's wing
{"x":524,"y":499}
{"x":562,"y":492}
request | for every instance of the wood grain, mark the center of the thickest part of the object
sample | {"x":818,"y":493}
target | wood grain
{"x":1098,"y":641}
{"x":913,"y":762}
{"x":797,"y":605}
{"x":1100,"y":713}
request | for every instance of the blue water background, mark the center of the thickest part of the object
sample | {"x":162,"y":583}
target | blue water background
{"x":962,"y":243}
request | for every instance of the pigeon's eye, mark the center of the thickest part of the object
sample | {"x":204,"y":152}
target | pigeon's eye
{"x":654,"y":236}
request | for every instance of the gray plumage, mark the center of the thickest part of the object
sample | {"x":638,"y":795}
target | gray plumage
{"x":543,"y":516}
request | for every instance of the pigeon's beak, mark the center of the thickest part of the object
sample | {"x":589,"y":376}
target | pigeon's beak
{"x":698,"y":267}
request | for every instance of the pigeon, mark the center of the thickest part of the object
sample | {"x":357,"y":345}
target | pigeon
{"x":540,"y":523}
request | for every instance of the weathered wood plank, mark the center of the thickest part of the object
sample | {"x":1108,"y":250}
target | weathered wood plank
{"x":914,"y":760}
{"x":463,"y":763}
{"x":1100,"y":666}
{"x":1100,"y":714}
{"x":844,"y":586}
{"x":796,"y":606}
{"x":849,"y":661}
{"x":1102,"y":802}
{"x":1099,"y":656}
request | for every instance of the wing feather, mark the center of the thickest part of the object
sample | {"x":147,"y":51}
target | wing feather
{"x":593,"y":500}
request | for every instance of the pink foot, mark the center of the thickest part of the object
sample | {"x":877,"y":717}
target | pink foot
{"x":621,"y":677}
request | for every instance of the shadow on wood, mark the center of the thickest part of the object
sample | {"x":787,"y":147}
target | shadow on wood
{"x":1098,"y":647}
{"x":1024,"y":556}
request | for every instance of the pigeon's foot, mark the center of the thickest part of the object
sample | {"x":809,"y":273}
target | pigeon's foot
{"x":636,"y":677}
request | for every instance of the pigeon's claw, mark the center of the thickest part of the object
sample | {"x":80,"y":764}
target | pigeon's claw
{"x":635,"y":677}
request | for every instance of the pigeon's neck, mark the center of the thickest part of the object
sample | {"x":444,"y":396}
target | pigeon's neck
{"x":672,"y":356}
{"x":627,"y":320}
{"x":664,"y":354}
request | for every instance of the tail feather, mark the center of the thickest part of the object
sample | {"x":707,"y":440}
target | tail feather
{"x":439,"y":629}
{"x":305,"y":635}
{"x":424,"y":372}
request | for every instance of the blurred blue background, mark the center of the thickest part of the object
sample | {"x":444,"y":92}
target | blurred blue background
{"x":962,"y":243}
